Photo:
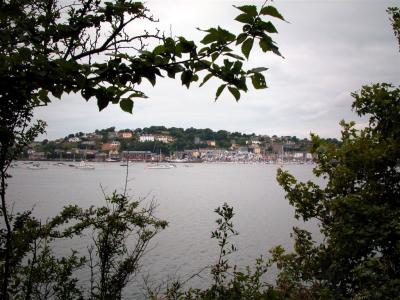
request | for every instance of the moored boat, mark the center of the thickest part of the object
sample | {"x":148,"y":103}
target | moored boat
{"x":36,"y":167}
{"x":160,"y":166}
{"x":83,"y":165}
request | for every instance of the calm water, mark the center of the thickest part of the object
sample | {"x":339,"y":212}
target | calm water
{"x":186,"y":197}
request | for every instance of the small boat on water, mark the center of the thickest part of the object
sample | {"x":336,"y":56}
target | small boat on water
{"x":161,"y":166}
{"x":111,"y":160}
{"x":36,"y":167}
{"x":83,"y":165}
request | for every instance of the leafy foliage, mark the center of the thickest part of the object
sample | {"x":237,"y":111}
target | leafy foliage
{"x":121,"y":231}
{"x":358,"y":209}
{"x":395,"y":19}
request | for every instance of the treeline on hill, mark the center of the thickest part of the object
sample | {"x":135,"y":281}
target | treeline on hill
{"x":183,"y":139}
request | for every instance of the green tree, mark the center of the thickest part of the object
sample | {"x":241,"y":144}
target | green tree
{"x":358,"y":208}
{"x":394,"y":12}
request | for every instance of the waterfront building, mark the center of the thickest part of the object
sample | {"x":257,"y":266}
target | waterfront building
{"x":136,"y":155}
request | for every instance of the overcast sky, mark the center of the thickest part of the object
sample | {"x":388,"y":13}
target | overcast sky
{"x":331,"y":49}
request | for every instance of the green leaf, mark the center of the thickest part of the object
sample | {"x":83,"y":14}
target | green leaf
{"x":151,"y":76}
{"x":171,"y":73}
{"x":244,"y":18}
{"x":57,"y":93}
{"x":102,"y":102}
{"x":258,"y":81}
{"x":186,"y":46}
{"x":225,"y":35}
{"x":241,"y":38}
{"x":186,"y":78}
{"x":235,"y":92}
{"x":172,"y":70}
{"x":271,"y":11}
{"x":206,"y":78}
{"x":211,"y":37}
{"x":248,"y":9}
{"x":267,"y":44}
{"x":237,"y":66}
{"x":87,"y":93}
{"x":43,"y":96}
{"x":214,"y":56}
{"x":159,"y":49}
{"x":246,"y":47}
{"x":219,"y":91}
{"x":268,"y":27}
{"x":126,"y":105}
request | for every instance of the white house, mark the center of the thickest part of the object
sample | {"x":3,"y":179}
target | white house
{"x":74,"y":140}
{"x":146,"y":138}
{"x":159,"y":138}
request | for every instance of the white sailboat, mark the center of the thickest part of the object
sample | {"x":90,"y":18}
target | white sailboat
{"x":160,"y":166}
{"x":83,"y":165}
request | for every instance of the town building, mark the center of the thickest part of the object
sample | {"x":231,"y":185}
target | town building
{"x":110,"y":146}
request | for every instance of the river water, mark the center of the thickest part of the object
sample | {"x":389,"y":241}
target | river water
{"x":186,"y":196}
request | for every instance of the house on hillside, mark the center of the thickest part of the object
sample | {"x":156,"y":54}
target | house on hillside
{"x":88,"y":143}
{"x":125,"y":134}
{"x":74,"y":139}
{"x":94,"y":136}
{"x":253,"y":141}
{"x":211,"y":143}
{"x":163,"y":138}
{"x":146,"y":138}
{"x":114,"y":145}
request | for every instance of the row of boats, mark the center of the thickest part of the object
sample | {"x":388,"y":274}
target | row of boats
{"x":83,"y":165}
